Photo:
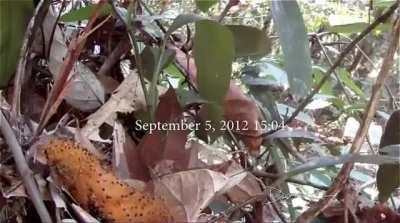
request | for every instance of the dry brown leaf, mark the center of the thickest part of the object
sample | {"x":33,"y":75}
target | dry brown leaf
{"x":195,"y":189}
{"x":86,"y":92}
{"x":239,"y":108}
{"x":126,"y":157}
{"x":249,"y":187}
{"x":127,"y":97}
{"x":166,"y":146}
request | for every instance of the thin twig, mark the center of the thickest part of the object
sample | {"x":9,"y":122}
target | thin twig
{"x":337,"y":63}
{"x":343,"y":175}
{"x":24,"y":170}
{"x":35,"y":21}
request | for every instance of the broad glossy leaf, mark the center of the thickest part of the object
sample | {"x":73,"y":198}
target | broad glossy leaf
{"x":249,"y":41}
{"x":294,"y":42}
{"x":213,"y":53}
{"x":84,"y":13}
{"x":204,"y":5}
{"x":14,"y":16}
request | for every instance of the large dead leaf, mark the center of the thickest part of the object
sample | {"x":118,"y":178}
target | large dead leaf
{"x":247,"y":188}
{"x":127,"y":97}
{"x":127,"y":160}
{"x":195,"y":189}
{"x":86,"y":92}
{"x":166,"y":145}
{"x":239,"y":108}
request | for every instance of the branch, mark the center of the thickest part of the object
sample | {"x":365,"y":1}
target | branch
{"x":24,"y":170}
{"x":337,"y":63}
{"x":343,"y":175}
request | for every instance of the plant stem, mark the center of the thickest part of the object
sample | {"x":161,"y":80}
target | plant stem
{"x":131,"y":33}
{"x":24,"y":170}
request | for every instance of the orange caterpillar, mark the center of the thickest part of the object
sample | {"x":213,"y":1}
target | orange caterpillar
{"x":98,"y":190}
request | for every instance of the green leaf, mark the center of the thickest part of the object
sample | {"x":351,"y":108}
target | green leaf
{"x":345,"y":78}
{"x":387,"y":179}
{"x":149,"y":57}
{"x":204,"y":5}
{"x":173,"y":71}
{"x":382,"y":3}
{"x":349,"y":28}
{"x":84,"y":13}
{"x":249,"y":41}
{"x":213,"y":53}
{"x":294,"y":42}
{"x":388,"y":176}
{"x":14,"y":16}
{"x":318,"y":74}
{"x":355,"y":27}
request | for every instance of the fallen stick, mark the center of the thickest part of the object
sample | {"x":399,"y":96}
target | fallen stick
{"x":24,"y":170}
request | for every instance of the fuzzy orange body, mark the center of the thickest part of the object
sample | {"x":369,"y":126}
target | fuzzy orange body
{"x":98,"y":190}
